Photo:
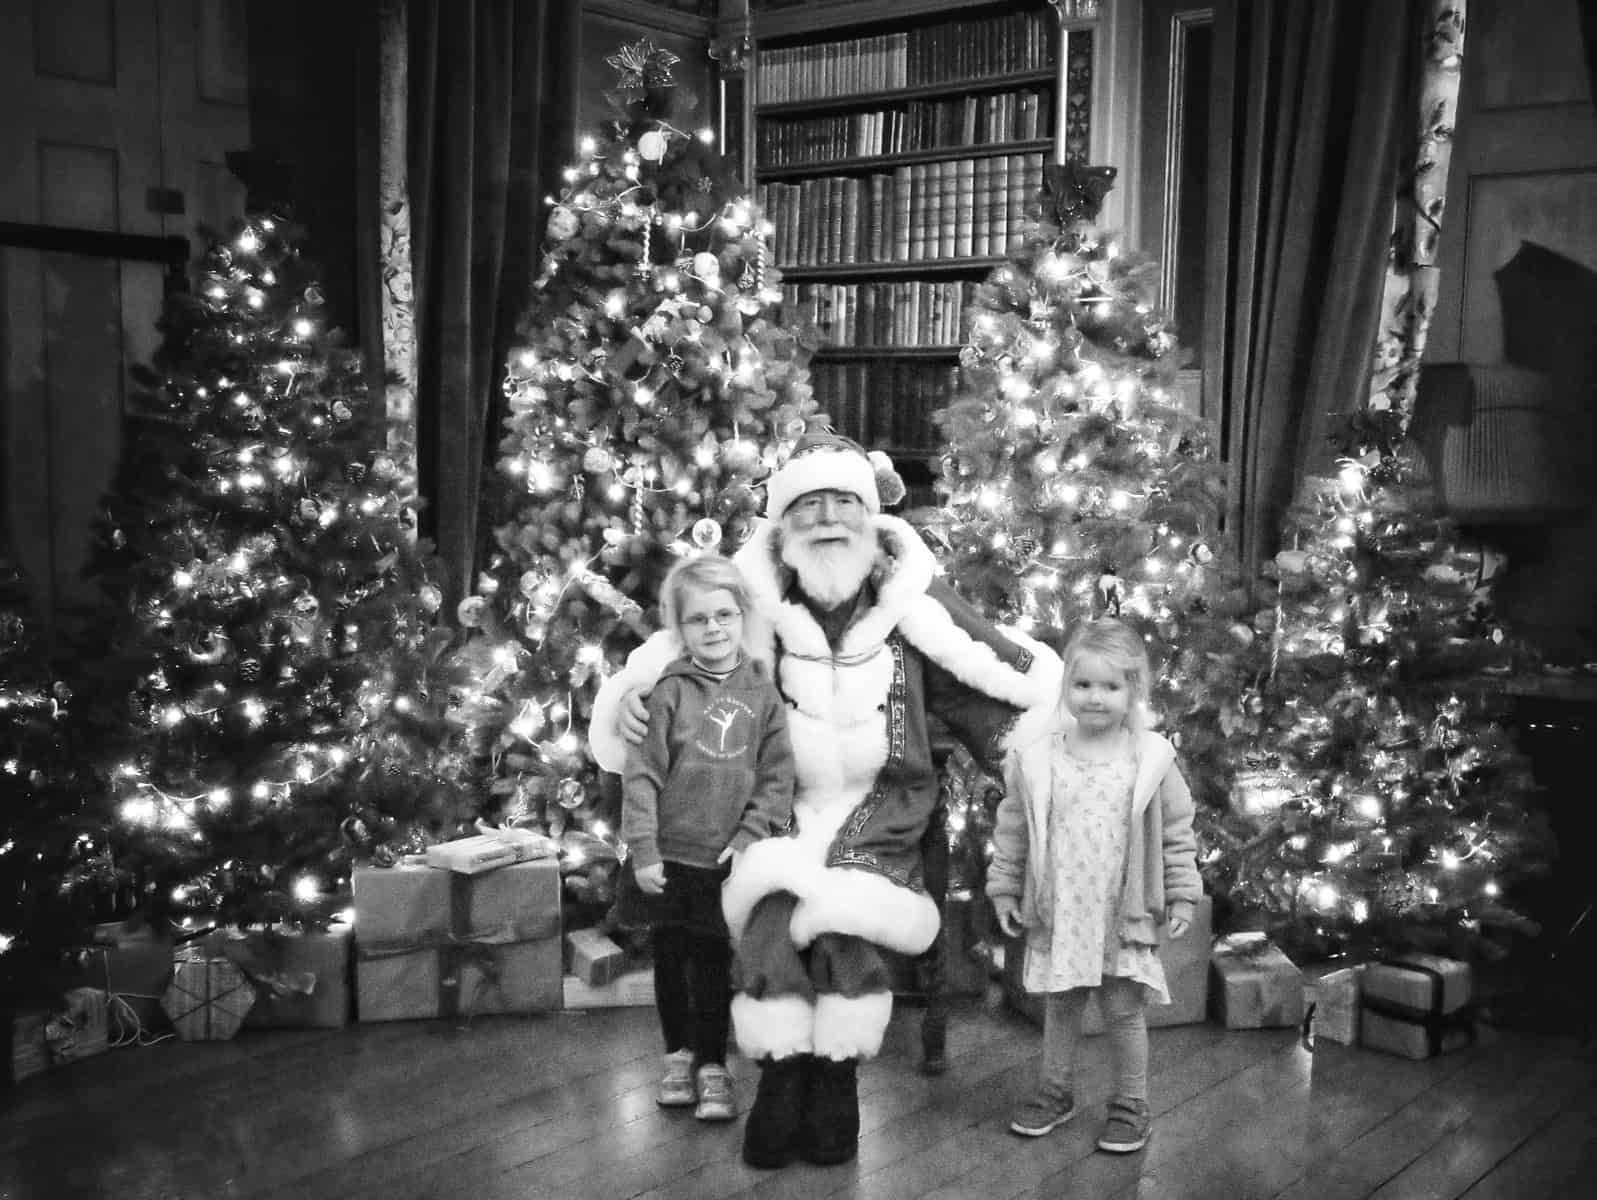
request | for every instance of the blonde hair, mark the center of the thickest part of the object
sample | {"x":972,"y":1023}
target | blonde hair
{"x":701,"y":573}
{"x":1122,"y":647}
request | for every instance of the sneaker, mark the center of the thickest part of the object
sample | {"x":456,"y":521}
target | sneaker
{"x":1043,"y":1113}
{"x":1127,"y":1128}
{"x":715,"y":1094}
{"x":676,"y":1085}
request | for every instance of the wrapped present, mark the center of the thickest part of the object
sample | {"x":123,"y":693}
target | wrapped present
{"x":1333,"y":1014}
{"x":207,"y":998}
{"x":431,"y":943}
{"x":592,"y":957}
{"x":631,"y":989}
{"x":1254,"y":985}
{"x":485,"y":851}
{"x":301,"y":977}
{"x":82,"y":1028}
{"x":1417,"y":1005}
{"x":36,"y":1041}
{"x":27,"y":1054}
{"x":1186,"y":969}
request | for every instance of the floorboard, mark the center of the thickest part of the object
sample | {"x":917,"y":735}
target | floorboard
{"x":562,"y":1105}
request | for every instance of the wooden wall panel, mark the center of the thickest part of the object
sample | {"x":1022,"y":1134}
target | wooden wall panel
{"x":1525,"y":146}
{"x":75,"y":40}
{"x":1555,"y":210}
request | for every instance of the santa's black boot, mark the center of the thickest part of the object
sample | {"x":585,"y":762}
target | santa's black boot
{"x":829,"y":1126}
{"x":771,"y":1130}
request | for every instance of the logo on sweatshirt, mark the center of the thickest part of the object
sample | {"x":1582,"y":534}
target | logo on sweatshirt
{"x":725,"y":732}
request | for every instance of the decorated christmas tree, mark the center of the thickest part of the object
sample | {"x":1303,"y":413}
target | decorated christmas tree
{"x":55,"y":872}
{"x":1076,"y":485}
{"x":271,"y":694}
{"x":1384,"y":805}
{"x":653,"y":386}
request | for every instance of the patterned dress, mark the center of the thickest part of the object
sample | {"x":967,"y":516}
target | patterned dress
{"x":1089,"y":819}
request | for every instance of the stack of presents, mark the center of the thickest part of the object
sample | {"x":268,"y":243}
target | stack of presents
{"x":472,"y":927}
{"x":1413,"y":1005}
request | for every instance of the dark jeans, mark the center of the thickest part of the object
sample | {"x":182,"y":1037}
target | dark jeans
{"x":692,"y":962}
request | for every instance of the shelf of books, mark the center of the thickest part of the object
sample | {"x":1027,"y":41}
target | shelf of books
{"x":895,"y":164}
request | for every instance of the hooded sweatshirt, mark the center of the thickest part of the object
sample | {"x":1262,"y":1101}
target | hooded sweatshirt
{"x":714,"y":770}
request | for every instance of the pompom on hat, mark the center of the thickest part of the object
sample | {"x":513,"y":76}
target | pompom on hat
{"x":823,"y":461}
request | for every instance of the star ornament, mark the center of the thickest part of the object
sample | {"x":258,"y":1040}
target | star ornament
{"x":642,"y":64}
{"x":1075,"y":192}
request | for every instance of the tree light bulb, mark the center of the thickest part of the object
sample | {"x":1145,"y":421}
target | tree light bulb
{"x":306,"y":889}
{"x":139,"y":810}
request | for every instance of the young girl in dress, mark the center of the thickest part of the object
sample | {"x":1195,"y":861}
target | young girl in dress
{"x":1093,"y":851}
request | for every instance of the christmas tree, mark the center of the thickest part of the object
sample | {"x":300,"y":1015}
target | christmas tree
{"x":652,"y":388}
{"x":1077,"y":486}
{"x":1384,"y":805}
{"x":54,"y":867}
{"x":271,"y":693}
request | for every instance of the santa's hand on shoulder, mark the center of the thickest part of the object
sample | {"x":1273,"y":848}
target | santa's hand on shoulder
{"x":633,"y":714}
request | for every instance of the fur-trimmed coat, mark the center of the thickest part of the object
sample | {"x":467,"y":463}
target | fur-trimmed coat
{"x":1161,"y":876}
{"x":867,"y":785}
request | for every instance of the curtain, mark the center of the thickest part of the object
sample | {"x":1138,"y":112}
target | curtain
{"x":1410,"y":288}
{"x":1309,"y":119}
{"x":477,"y":103}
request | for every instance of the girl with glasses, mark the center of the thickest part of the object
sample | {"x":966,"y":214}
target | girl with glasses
{"x":713,"y":775}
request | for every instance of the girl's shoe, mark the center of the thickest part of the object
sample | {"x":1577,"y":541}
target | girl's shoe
{"x":676,"y":1088}
{"x":716,"y":1102}
{"x":1043,"y":1113}
{"x":1127,"y":1129}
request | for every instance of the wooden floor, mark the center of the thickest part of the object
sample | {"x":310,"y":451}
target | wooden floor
{"x":562,"y":1106}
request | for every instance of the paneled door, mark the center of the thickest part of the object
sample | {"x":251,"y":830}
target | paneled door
{"x":118,"y":114}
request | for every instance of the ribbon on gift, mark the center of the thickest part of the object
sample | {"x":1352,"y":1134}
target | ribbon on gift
{"x":1253,"y":945}
{"x":462,"y":946}
{"x":1438,"y":1025}
{"x":261,"y":958}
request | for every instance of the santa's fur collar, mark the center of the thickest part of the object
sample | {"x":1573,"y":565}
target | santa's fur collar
{"x":905,"y":569}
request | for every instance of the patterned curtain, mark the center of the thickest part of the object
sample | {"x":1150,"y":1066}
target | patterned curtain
{"x":1409,"y":296}
{"x":397,"y":302}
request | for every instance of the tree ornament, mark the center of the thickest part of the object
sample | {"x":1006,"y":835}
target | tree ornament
{"x":1074,"y":192}
{"x":472,"y":612}
{"x":570,"y":794}
{"x":652,"y":145}
{"x":563,"y":224}
{"x":707,"y":266}
{"x":597,"y":460}
{"x":430,"y":597}
{"x":642,"y":67}
{"x":706,"y":533}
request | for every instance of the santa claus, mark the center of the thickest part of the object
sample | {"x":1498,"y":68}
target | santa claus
{"x":865,"y":642}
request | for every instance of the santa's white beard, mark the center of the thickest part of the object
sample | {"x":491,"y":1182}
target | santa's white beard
{"x":830,"y":572}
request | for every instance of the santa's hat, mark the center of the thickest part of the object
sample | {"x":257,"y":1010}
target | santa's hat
{"x":825,"y":461}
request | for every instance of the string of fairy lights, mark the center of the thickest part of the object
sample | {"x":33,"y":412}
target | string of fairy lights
{"x":267,"y":443}
{"x":677,"y":333}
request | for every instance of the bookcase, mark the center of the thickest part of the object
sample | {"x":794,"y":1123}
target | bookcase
{"x":896,"y":155}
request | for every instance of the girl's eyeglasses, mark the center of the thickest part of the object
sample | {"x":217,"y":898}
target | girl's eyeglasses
{"x":722,"y":617}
